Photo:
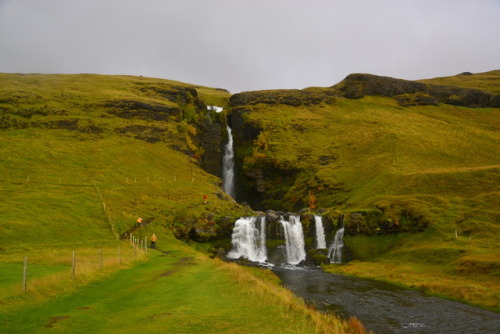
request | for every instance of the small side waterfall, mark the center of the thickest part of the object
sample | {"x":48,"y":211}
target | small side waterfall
{"x":335,"y":251}
{"x":320,"y":232}
{"x":228,"y":165}
{"x":294,"y":240}
{"x":249,"y":239}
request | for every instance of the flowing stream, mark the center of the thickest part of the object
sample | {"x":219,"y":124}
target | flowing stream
{"x":335,"y":251}
{"x":381,"y":307}
{"x":385,"y":308}
{"x":320,"y":232}
{"x":294,"y":240}
{"x":228,"y":165}
{"x":249,"y":239}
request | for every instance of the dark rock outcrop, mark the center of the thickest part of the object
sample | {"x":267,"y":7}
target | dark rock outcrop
{"x":242,"y":129}
{"x":150,"y":134}
{"x":407,"y":92}
{"x":291,"y":97}
{"x":211,"y":139}
{"x":130,"y":109}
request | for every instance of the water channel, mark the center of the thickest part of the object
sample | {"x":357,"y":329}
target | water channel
{"x":385,"y":308}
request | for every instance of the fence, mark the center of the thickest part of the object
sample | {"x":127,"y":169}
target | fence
{"x":86,"y":265}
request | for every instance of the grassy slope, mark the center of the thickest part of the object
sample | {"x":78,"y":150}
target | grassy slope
{"x":487,"y":81}
{"x":176,"y":291}
{"x":53,"y":176}
{"x":439,"y":162}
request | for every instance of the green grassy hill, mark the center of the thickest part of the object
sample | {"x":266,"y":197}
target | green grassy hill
{"x":85,"y":155}
{"x":408,"y":163}
{"x":414,"y":166}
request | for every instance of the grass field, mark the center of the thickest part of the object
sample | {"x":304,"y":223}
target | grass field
{"x":175,"y":291}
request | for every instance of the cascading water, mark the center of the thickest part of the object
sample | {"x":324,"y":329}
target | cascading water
{"x":228,"y":165}
{"x":320,"y":232}
{"x":294,"y":240}
{"x":335,"y":251}
{"x":249,"y":239}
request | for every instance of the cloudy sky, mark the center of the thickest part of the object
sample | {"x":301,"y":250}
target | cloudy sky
{"x":251,"y":44}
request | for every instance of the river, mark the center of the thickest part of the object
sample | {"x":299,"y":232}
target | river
{"x":386,"y":308}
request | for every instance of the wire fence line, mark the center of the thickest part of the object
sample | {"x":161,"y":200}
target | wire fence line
{"x":100,"y":186}
{"x":91,"y":182}
{"x":83,"y":264}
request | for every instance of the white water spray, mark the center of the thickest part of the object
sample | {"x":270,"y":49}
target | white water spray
{"x":320,"y":232}
{"x":249,"y":239}
{"x":335,"y":251}
{"x":294,"y":240}
{"x":228,"y":165}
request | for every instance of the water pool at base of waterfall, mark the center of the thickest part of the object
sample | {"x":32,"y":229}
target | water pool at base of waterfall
{"x":386,"y":308}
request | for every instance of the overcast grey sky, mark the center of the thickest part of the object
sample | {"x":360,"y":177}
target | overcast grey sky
{"x":251,"y":44}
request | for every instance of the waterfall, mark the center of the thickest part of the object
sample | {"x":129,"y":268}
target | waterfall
{"x":249,"y":239}
{"x":320,"y":232}
{"x":335,"y":251}
{"x":228,"y":165}
{"x":294,"y":240}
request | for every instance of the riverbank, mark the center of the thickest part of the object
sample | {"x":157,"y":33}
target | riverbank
{"x":383,"y":307}
{"x":475,"y":289}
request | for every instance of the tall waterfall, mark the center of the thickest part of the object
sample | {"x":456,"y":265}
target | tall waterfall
{"x":228,"y":165}
{"x":320,"y":232}
{"x":294,"y":240}
{"x":335,"y":251}
{"x":249,"y":239}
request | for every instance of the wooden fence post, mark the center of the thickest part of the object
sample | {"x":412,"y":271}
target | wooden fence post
{"x":73,"y":266}
{"x":25,"y":273}
{"x":135,"y":252}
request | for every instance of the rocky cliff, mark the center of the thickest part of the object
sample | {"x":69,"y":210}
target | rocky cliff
{"x":412,"y":93}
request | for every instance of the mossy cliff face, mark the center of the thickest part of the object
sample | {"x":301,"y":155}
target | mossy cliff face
{"x":398,"y":155}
